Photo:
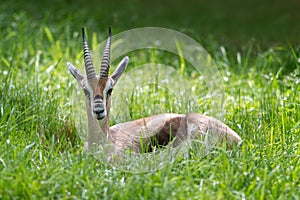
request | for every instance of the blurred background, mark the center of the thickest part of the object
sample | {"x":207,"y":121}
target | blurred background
{"x":230,"y":22}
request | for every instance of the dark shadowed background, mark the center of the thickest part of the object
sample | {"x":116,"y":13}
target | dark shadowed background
{"x":231,"y":22}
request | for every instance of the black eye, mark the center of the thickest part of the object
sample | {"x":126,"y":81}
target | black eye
{"x":86,"y":92}
{"x":109,"y":91}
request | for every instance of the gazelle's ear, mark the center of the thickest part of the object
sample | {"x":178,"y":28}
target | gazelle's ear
{"x":120,"y":69}
{"x":75,"y":72}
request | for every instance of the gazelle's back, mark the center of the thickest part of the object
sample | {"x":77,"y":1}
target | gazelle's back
{"x":159,"y":130}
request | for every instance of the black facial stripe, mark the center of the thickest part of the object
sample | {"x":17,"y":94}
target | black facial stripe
{"x":98,"y":98}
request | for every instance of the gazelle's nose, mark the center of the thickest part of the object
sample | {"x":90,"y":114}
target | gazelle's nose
{"x":99,"y":113}
{"x":99,"y":108}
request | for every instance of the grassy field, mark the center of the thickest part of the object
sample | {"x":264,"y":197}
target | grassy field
{"x":255,"y":47}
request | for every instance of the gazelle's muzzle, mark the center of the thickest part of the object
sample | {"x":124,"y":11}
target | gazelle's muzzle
{"x":99,"y":111}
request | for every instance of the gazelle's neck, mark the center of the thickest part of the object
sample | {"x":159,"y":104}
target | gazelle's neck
{"x":98,"y":130}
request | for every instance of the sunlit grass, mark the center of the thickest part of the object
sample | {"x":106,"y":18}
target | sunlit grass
{"x":42,"y":157}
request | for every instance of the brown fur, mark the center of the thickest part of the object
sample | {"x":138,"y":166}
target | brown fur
{"x":160,"y":130}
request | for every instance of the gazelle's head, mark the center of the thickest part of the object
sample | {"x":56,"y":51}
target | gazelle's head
{"x":98,"y":89}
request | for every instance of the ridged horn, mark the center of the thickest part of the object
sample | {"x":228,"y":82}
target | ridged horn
{"x":106,"y":57}
{"x":89,"y":67}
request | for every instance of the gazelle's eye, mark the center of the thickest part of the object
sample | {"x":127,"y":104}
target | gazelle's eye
{"x":86,"y":92}
{"x":109,"y":91}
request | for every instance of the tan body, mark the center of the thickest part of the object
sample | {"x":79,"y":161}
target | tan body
{"x":160,"y":130}
{"x":142,"y":134}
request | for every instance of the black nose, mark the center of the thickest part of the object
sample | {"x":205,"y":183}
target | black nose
{"x":99,"y":111}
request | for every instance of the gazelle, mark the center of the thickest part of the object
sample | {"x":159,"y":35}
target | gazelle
{"x":157,"y":130}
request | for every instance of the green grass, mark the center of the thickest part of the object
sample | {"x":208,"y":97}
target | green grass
{"x":41,"y":155}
